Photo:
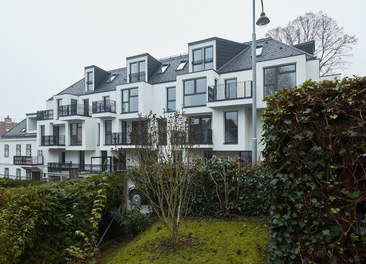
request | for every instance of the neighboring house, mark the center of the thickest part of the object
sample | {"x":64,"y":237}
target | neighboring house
{"x":6,"y":125}
{"x":83,"y":125}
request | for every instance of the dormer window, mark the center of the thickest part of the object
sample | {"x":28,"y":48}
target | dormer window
{"x":164,"y":67}
{"x":89,"y":81}
{"x":181,"y":65}
{"x":112,"y":77}
{"x":202,"y":59}
{"x":137,"y":71}
{"x":258,"y":50}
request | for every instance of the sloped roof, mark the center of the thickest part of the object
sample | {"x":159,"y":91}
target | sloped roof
{"x":19,"y":131}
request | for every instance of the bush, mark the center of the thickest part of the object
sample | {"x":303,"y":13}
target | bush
{"x":43,"y":224}
{"x":230,"y":188}
{"x":315,"y":138}
{"x":10,"y":183}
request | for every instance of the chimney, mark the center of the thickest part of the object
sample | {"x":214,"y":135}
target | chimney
{"x":8,"y":120}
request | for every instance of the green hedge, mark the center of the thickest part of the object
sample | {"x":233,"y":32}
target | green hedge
{"x":50,"y":222}
{"x":315,"y":138}
{"x":226,"y":187}
{"x":10,"y":183}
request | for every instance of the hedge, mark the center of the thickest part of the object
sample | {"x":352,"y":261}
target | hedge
{"x":315,"y":137}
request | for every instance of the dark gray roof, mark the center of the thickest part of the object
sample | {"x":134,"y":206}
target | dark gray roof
{"x":19,"y":131}
{"x":272,"y":49}
{"x":171,"y":73}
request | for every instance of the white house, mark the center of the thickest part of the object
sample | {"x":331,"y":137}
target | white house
{"x":83,"y":124}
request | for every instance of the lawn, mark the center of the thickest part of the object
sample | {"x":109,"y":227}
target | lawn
{"x":204,"y":241}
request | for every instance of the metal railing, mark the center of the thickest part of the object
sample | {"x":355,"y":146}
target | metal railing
{"x":200,"y":136}
{"x":137,"y":77}
{"x":104,"y":106}
{"x":28,"y":160}
{"x":74,"y":109}
{"x":230,"y":91}
{"x":53,"y":140}
{"x":45,"y":115}
{"x":90,"y":168}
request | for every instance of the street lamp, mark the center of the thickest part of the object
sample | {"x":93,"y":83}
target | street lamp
{"x":262,"y":21}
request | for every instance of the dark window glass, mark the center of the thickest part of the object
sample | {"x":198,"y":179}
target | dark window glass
{"x":75,"y":134}
{"x":130,"y":100}
{"x":202,"y":59}
{"x":137,"y":71}
{"x":231,"y":89}
{"x":279,"y":77}
{"x":171,"y":98}
{"x":195,"y":92}
{"x":231,"y":127}
{"x":108,"y":132}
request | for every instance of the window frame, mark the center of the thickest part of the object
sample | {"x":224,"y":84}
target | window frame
{"x":129,"y":100}
{"x":277,"y":73}
{"x":195,"y":93}
{"x":18,"y":150}
{"x":227,"y":91}
{"x":109,"y":141}
{"x":139,"y":74}
{"x":6,"y":173}
{"x":171,"y":100}
{"x":79,"y":134}
{"x":231,"y":129}
{"x":204,"y":62}
{"x":28,"y":150}
{"x":6,"y":151}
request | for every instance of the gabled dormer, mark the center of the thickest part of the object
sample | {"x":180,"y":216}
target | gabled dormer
{"x":93,"y":77}
{"x":212,"y":53}
{"x":141,"y":67}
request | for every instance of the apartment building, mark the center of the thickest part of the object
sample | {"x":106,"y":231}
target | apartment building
{"x":83,"y":125}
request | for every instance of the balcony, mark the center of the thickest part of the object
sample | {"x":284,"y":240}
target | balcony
{"x":53,"y":141}
{"x":126,"y":139}
{"x":232,"y":91}
{"x":104,"y":106}
{"x":200,"y":137}
{"x":45,"y":115}
{"x":28,"y":160}
{"x":74,"y":110}
{"x":137,"y":77}
{"x":86,"y":168}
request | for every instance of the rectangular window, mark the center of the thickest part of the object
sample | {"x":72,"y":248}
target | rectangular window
{"x":276,"y":78}
{"x":39,"y":153}
{"x":76,"y":134}
{"x":231,"y":127}
{"x":89,"y":81}
{"x":231,"y":91}
{"x":171,"y":98}
{"x":200,"y":130}
{"x":137,"y":71}
{"x":130,"y":100}
{"x":98,"y":134}
{"x":202,"y":59}
{"x":6,"y":150}
{"x":18,"y":174}
{"x":18,"y":150}
{"x":28,"y":174}
{"x":195,"y":92}
{"x":181,"y":65}
{"x":28,"y":150}
{"x":108,"y":132}
{"x":6,"y":172}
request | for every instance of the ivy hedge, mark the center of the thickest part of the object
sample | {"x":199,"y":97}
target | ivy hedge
{"x":315,"y":137}
{"x":55,"y":223}
{"x":227,"y":187}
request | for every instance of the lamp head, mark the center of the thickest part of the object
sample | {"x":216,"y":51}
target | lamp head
{"x":262,"y":20}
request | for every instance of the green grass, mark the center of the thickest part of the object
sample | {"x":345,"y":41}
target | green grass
{"x":206,"y":241}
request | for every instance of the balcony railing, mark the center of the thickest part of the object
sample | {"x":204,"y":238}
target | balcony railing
{"x":239,"y":90}
{"x":74,"y":109}
{"x":90,"y":168}
{"x":137,"y":77}
{"x":45,"y":115}
{"x":121,"y":138}
{"x":53,"y":141}
{"x":200,"y":137}
{"x":28,"y":160}
{"x":104,"y":106}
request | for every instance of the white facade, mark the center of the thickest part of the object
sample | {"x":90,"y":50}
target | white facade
{"x":84,"y":124}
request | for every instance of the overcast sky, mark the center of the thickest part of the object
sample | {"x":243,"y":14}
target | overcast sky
{"x":45,"y":44}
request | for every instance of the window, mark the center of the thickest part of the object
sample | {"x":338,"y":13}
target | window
{"x":18,"y":174}
{"x":258,"y":50}
{"x":164,"y":67}
{"x":28,"y":174}
{"x":181,"y":65}
{"x":112,"y":77}
{"x":195,"y":92}
{"x":6,"y":150}
{"x":278,"y":77}
{"x":170,"y":91}
{"x":231,"y":127}
{"x":18,"y":150}
{"x":108,"y":132}
{"x":98,"y":134}
{"x":39,"y":153}
{"x":137,"y":71}
{"x":231,"y":89}
{"x":6,"y":172}
{"x":200,"y":130}
{"x":89,"y":81}
{"x":28,"y":150}
{"x":202,"y":59}
{"x":130,"y":102}
{"x":23,"y":130}
{"x":75,"y":134}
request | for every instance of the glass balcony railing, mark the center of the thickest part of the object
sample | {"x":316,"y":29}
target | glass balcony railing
{"x":239,"y":90}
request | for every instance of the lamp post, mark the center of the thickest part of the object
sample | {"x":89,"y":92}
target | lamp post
{"x":262,"y":20}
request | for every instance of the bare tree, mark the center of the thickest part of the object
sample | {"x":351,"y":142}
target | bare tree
{"x":332,"y":45}
{"x":164,"y":168}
